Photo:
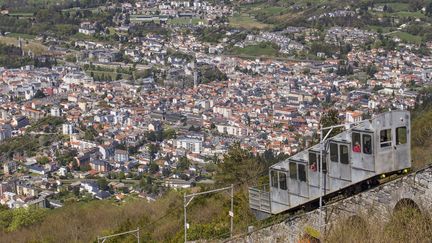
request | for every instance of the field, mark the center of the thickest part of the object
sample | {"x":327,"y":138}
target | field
{"x":26,"y":15}
{"x":406,"y":37}
{"x":245,"y":21}
{"x":99,"y":75}
{"x":35,"y":46}
{"x":406,"y":14}
{"x":273,"y":10}
{"x":255,"y":51}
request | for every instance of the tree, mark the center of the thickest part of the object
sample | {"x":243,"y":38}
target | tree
{"x":166,"y":171}
{"x":90,"y":133}
{"x":416,"y":5}
{"x":239,"y":166}
{"x":153,"y":150}
{"x":3,"y":207}
{"x":428,"y":11}
{"x":169,"y":133}
{"x":331,"y":118}
{"x":43,"y":160}
{"x":6,"y":217}
{"x":371,"y":70}
{"x":39,"y":94}
{"x":26,"y":216}
{"x":102,"y":183}
{"x":122,"y":175}
{"x":85,"y":168}
{"x":183,"y":164}
{"x":153,"y":168}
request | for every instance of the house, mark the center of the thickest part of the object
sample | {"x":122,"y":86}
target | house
{"x":87,"y":28}
{"x":155,"y":126}
{"x":9,"y":167}
{"x":5,"y":132}
{"x":102,"y":195}
{"x":100,"y":165}
{"x":191,"y":144}
{"x":353,"y":116}
{"x":67,"y":129}
{"x":55,"y":111}
{"x":37,"y":169}
{"x":62,"y":171}
{"x":89,"y":186}
{"x":6,"y":186}
{"x":19,"y":122}
{"x":121,"y":155}
{"x":178,"y":183}
{"x":26,"y":190}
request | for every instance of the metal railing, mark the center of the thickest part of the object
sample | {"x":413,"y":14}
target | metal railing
{"x":259,"y":199}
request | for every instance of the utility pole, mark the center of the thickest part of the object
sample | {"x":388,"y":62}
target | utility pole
{"x":188,"y":199}
{"x":231,"y":213}
{"x":185,"y":217}
{"x":321,"y":178}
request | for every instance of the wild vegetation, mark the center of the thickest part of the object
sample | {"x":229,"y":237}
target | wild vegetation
{"x":422,"y":130}
{"x":406,"y":224}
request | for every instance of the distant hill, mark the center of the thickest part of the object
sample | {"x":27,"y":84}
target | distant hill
{"x":408,"y":20}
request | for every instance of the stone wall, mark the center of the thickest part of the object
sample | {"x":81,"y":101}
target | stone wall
{"x":377,"y":202}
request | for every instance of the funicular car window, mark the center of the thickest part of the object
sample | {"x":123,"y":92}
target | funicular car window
{"x":282,"y":181}
{"x":274,"y":178}
{"x":302,"y":172}
{"x":334,"y":152}
{"x":343,"y":154}
{"x":356,"y":143}
{"x":313,"y":163}
{"x":401,"y":135}
{"x":367,"y":144}
{"x":385,"y":138}
{"x":293,"y":170}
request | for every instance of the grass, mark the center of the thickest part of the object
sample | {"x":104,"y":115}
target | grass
{"x":269,"y":10}
{"x":406,"y":14}
{"x":245,"y":21}
{"x":397,"y":7}
{"x":36,"y":47}
{"x":21,"y":14}
{"x":113,"y":75}
{"x":23,"y":36}
{"x":255,"y":51}
{"x":406,"y":37}
{"x":377,"y":27}
{"x":404,"y":225}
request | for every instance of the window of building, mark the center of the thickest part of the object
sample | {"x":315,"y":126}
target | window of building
{"x":385,"y":138}
{"x":282,"y":181}
{"x":334,"y":152}
{"x":343,"y":154}
{"x":274,"y":178}
{"x":401,"y":135}
{"x":367,"y":144}
{"x":293,"y":170}
{"x":356,"y":143}
{"x":302,"y":172}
